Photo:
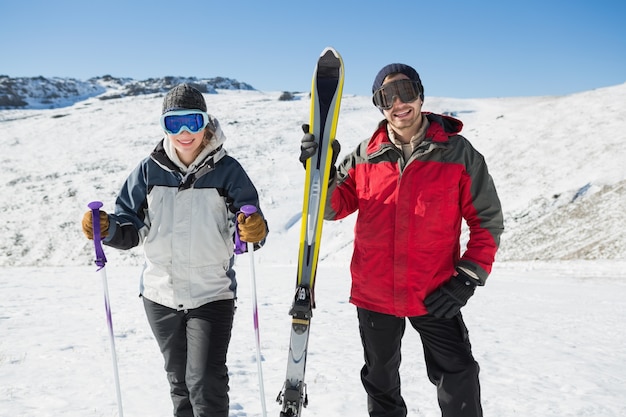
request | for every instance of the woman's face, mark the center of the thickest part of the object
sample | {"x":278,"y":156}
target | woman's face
{"x":188,"y":145}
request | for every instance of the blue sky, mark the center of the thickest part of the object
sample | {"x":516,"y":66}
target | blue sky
{"x":463,"y":49}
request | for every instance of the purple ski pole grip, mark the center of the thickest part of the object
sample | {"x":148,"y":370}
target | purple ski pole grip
{"x":94,"y":205}
{"x":248,"y":209}
{"x":240,"y":245}
{"x":95,"y":217}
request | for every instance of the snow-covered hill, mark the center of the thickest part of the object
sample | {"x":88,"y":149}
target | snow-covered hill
{"x":558,"y":163}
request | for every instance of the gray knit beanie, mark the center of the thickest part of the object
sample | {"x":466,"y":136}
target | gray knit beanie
{"x":182,"y":97}
{"x":397,"y":69}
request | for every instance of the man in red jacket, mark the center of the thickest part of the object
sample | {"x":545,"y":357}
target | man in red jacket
{"x":413,"y":183}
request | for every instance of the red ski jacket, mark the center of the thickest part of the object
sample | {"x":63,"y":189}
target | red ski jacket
{"x":408,"y":228}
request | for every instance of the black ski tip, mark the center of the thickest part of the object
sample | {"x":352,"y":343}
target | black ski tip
{"x":329,"y":58}
{"x":330,"y":52}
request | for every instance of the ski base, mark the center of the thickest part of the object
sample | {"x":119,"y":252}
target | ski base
{"x":293,"y":396}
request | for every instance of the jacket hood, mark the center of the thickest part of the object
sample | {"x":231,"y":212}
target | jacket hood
{"x":442,"y":127}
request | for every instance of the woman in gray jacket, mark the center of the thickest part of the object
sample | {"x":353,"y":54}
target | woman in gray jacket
{"x":182,"y":203}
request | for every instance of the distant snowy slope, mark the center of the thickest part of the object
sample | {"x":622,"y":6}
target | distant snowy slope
{"x":55,"y":92}
{"x":558,"y":163}
{"x":560,"y":167}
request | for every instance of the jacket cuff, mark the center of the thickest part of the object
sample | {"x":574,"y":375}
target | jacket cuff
{"x":471,"y":274}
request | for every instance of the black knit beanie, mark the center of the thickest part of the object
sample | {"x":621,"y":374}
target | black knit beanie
{"x":397,"y":69}
{"x":182,"y":97}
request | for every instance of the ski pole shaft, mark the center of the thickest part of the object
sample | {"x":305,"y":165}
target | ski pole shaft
{"x":101,"y":261}
{"x":248,"y":210}
{"x":107,"y":306}
{"x":255,"y":315}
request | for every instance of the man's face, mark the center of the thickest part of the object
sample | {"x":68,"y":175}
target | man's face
{"x":403,"y":116}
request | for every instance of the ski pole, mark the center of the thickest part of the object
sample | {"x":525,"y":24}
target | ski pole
{"x":240,"y":247}
{"x":100,"y":262}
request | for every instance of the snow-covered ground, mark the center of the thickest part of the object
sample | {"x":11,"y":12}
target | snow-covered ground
{"x":546,"y":329}
{"x":548,"y":336}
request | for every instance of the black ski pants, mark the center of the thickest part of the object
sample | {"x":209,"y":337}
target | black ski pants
{"x":194,"y":344}
{"x":448,"y":359}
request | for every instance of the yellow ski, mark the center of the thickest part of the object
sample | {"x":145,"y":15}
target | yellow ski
{"x":326,"y":90}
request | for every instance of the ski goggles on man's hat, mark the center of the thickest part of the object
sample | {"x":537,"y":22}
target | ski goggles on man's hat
{"x":406,"y":90}
{"x":193,"y":121}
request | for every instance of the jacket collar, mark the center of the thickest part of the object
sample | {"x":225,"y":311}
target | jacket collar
{"x":439,"y":131}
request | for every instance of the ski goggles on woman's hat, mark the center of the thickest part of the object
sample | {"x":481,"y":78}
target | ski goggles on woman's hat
{"x":193,"y":121}
{"x":406,"y":90}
